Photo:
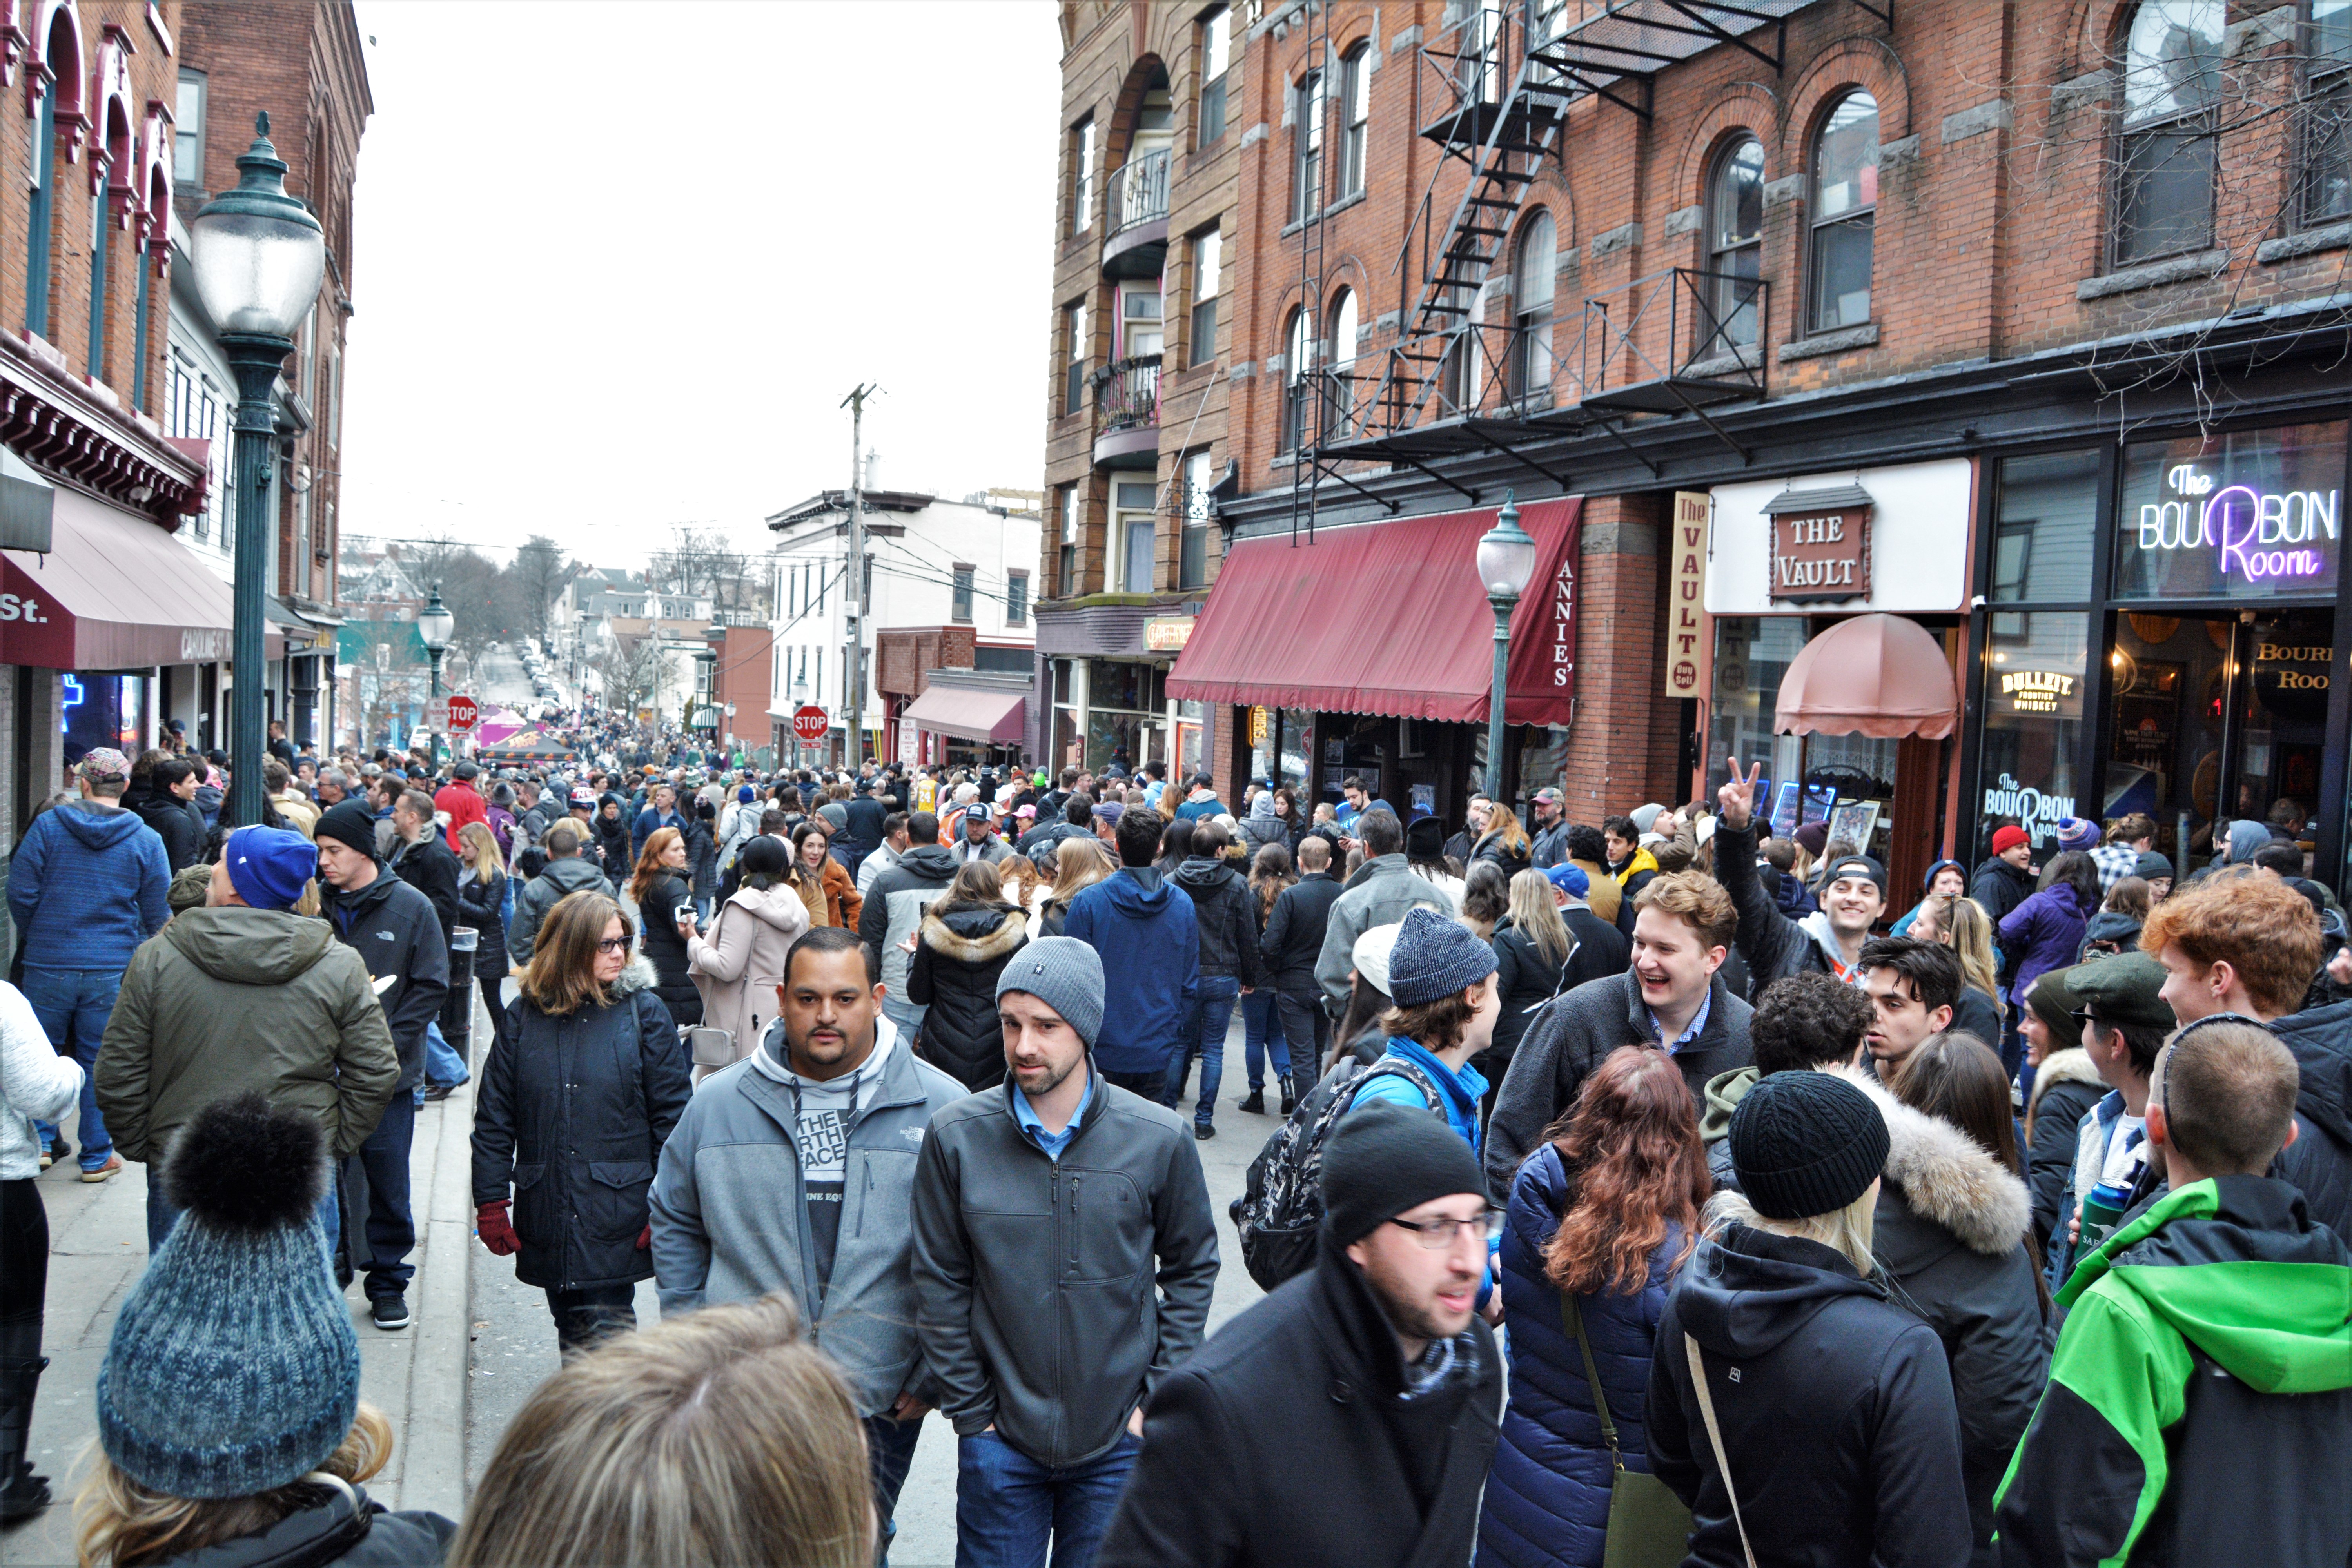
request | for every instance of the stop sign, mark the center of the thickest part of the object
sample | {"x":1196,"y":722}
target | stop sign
{"x":463,"y":712}
{"x":809,"y":723}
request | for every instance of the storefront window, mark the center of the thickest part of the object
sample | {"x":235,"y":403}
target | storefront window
{"x":1751,"y":654}
{"x":1115,"y":738}
{"x":1132,"y":687}
{"x":104,"y":710}
{"x":2250,"y":514}
{"x":2044,"y":535}
{"x":1543,"y":758}
{"x":2034,"y":722}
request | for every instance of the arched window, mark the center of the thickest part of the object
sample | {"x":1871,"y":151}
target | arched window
{"x":1845,"y":201}
{"x":1298,"y":350}
{"x":1532,"y":301}
{"x":1307,"y":144}
{"x":1355,"y":117}
{"x":1340,"y":400}
{"x":2172,"y":84}
{"x":1735,"y":247}
{"x":61,"y":55}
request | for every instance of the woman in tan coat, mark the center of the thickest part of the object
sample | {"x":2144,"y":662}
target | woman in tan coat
{"x":825,"y":883}
{"x":740,"y":965}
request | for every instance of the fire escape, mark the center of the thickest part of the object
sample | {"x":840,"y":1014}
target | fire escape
{"x":1680,"y":340}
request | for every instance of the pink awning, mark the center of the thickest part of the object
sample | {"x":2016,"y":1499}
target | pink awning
{"x":1876,"y":675}
{"x":967,"y":714}
{"x":115,"y":592}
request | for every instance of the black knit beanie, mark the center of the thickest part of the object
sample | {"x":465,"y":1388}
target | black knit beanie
{"x":1384,"y":1159}
{"x":1806,"y":1144}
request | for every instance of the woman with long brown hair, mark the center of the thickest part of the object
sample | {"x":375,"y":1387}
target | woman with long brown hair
{"x":1261,"y":1034}
{"x":578,"y":1097}
{"x":823,"y":881}
{"x":662,"y":893}
{"x":1601,"y":1218}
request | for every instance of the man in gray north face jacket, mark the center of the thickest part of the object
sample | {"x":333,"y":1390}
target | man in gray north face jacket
{"x":794,"y":1170}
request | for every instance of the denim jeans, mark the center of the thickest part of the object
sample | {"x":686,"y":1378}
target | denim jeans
{"x":1262,"y":1035}
{"x":443,"y":1064}
{"x":73,"y":1005}
{"x":1307,"y":1032}
{"x":586,"y":1315}
{"x":162,"y":1216}
{"x":891,"y":1452}
{"x":1204,"y":1036}
{"x":1008,"y":1506}
{"x":391,"y":1230}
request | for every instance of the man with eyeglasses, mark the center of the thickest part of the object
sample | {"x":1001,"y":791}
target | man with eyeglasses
{"x":1351,"y":1417}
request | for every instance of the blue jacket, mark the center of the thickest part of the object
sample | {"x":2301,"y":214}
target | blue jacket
{"x":1149,"y":941}
{"x":85,"y":887}
{"x":650,"y":822}
{"x":1547,"y":1499}
{"x":1463,"y":1087}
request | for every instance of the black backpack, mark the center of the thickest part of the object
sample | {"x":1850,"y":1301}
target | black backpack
{"x":1280,"y":1211}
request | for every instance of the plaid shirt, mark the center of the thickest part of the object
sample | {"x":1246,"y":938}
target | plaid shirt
{"x":2115,"y":861}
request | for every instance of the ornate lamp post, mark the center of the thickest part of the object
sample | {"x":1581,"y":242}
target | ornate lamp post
{"x":433,"y":624}
{"x":1506,"y":559}
{"x":258,"y":254}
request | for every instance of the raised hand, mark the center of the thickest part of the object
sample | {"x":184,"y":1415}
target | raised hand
{"x":1737,"y":798}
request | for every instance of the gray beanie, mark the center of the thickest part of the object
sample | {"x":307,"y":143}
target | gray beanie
{"x":232,"y":1369}
{"x":1065,"y":975}
{"x":1435,"y":955}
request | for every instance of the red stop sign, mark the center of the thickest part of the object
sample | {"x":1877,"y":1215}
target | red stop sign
{"x":809,"y":723}
{"x":463,"y":712}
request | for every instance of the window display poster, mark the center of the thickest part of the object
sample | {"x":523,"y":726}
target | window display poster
{"x":1854,"y":824}
{"x":1784,"y":809}
{"x":1425,"y":800}
{"x":2243,"y":515}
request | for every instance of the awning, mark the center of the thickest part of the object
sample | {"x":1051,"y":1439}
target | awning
{"x":1388,"y":617}
{"x":1881,"y":676}
{"x":967,"y":714}
{"x":115,"y":592}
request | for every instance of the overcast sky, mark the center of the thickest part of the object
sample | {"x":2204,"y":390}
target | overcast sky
{"x":615,"y":264}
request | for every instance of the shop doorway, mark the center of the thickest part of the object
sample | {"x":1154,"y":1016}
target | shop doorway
{"x":2218,"y":718}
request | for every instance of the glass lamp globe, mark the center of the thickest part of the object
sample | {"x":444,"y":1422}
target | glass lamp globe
{"x":1507,"y":555}
{"x":258,"y":253}
{"x":434,"y":623}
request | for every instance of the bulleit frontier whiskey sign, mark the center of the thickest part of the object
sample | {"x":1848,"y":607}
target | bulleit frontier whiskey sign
{"x":1821,"y":545}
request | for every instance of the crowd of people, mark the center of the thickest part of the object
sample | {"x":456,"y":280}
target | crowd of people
{"x":1652,"y":1190}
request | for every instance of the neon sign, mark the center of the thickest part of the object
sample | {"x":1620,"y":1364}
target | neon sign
{"x":2035,"y":691}
{"x":2252,"y":529}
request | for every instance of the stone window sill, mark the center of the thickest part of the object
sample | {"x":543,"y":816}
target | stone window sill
{"x":2310,"y":242}
{"x":2154,"y":275}
{"x":1820,"y":345}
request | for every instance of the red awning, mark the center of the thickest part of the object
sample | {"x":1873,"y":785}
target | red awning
{"x":967,"y":714}
{"x":1388,"y":617}
{"x":115,"y":592}
{"x":1877,"y":675}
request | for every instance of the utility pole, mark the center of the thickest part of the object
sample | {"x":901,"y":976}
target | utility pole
{"x":854,"y":587}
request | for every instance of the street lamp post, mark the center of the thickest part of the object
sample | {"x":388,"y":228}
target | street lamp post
{"x":258,"y":256}
{"x":433,"y":624}
{"x":1506,"y":559}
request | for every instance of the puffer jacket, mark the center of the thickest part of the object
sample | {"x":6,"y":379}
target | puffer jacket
{"x":1547,"y":1499}
{"x":354,"y":1531}
{"x":572,"y":874}
{"x":740,"y":965}
{"x":611,"y":839}
{"x":1226,"y":914}
{"x":2040,"y":934}
{"x":666,"y":950}
{"x":1950,"y":1233}
{"x":571,"y":1117}
{"x":2065,"y":1087}
{"x":959,"y":950}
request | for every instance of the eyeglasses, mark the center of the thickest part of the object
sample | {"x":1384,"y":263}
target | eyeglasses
{"x":613,"y":944}
{"x":1437,"y":1235}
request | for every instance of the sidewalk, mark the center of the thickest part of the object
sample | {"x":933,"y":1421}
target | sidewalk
{"x":98,"y":1246}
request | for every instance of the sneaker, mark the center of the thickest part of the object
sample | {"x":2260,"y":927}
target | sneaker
{"x":1256,"y":1103}
{"x":105,"y":1172}
{"x":389,"y":1312}
{"x":1203,"y":1132}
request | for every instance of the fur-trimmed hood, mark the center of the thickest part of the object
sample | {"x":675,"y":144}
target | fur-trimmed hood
{"x":974,"y":935}
{"x":1946,"y":1176}
{"x":2071,"y":1065}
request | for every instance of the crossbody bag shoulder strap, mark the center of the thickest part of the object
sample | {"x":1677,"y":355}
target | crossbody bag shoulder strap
{"x":1714,"y":1440}
{"x":1572,"y":1317}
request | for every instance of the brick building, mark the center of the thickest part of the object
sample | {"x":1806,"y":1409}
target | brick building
{"x":1937,"y":411}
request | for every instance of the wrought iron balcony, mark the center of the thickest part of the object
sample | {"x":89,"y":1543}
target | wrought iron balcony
{"x":1127,"y":408}
{"x":1135,"y":217}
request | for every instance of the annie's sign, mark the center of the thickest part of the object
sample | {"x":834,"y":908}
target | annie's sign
{"x":1821,"y":545}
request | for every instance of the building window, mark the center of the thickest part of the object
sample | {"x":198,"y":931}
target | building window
{"x":1074,"y":356}
{"x":1356,"y":115}
{"x":1135,"y":506}
{"x":1139,"y":324}
{"x":1216,"y":59}
{"x":2327,"y":123}
{"x":1845,"y":200}
{"x":1461,"y":377}
{"x":1339,"y":400}
{"x":1531,"y":298}
{"x":961,"y":610}
{"x":2172,"y":84}
{"x":1307,"y":141}
{"x":1300,"y":350}
{"x":1082,"y":175}
{"x":1192,"y":561}
{"x":1735,"y":247}
{"x":41,"y":212}
{"x":1016,"y":598}
{"x":1202,"y":340}
{"x":1066,"y":568}
{"x":188,"y":133}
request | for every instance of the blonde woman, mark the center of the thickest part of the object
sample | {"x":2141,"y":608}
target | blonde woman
{"x":576,"y":1103}
{"x":1965,"y":928}
{"x":1534,"y":961}
{"x":1079,"y":864}
{"x":722,"y":1437}
{"x":482,"y":904}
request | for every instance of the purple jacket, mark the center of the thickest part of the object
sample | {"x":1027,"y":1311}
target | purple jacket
{"x":2045,"y":932}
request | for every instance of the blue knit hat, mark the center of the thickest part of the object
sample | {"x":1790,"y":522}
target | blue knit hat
{"x":269,"y":867}
{"x":1435,"y":956}
{"x":1064,"y":973}
{"x":232,"y":1369}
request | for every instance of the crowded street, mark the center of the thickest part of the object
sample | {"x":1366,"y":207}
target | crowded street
{"x":1614,"y":832}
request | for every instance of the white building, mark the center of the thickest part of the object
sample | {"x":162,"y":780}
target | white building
{"x":951,"y":589}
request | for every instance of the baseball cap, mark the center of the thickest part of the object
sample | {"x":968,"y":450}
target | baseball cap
{"x":1861,"y":865}
{"x":1570,"y":880}
{"x":1547,"y":797}
{"x":584,"y":797}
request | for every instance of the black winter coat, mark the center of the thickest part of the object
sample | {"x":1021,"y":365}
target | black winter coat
{"x":180,"y":826}
{"x":1607,"y":948}
{"x":392,"y":925}
{"x":1529,"y":980}
{"x":1227,"y":913}
{"x":1999,"y":887}
{"x":701,"y":856}
{"x":429,"y":866}
{"x":483,"y":906}
{"x":610,"y":838}
{"x":1835,"y":1404}
{"x":667,"y":950}
{"x":2064,"y":1085}
{"x":1293,"y":938}
{"x":571,"y":1116}
{"x":356,"y":1530}
{"x":2319,"y":1161}
{"x":1311,"y":1371}
{"x":959,"y":953}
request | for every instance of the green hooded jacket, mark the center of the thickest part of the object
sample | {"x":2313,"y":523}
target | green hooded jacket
{"x":2200,"y":1405}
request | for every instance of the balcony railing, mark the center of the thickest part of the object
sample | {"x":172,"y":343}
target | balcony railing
{"x":1138,"y":193}
{"x":1126,"y":394}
